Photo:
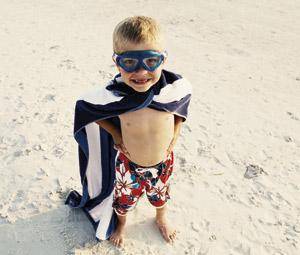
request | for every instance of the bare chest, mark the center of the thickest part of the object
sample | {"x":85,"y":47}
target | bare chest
{"x":146,"y":119}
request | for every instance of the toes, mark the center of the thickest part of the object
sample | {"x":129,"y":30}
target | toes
{"x":168,"y":234}
{"x":173,"y":236}
{"x":118,"y":243}
{"x":114,"y":241}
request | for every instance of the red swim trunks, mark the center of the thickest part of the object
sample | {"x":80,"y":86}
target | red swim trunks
{"x":132,"y":180}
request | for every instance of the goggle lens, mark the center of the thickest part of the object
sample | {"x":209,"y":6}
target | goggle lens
{"x":152,"y":62}
{"x":129,"y":62}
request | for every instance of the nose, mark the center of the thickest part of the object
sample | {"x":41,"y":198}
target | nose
{"x":141,"y":70}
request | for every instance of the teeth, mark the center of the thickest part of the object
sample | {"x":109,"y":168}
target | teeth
{"x":141,"y":81}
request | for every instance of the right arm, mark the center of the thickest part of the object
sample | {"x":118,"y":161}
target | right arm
{"x":115,"y":133}
{"x":109,"y":127}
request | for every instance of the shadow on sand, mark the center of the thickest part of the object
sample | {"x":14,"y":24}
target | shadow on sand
{"x":55,"y":232}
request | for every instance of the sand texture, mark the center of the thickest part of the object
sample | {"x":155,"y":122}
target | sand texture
{"x":236,"y":183}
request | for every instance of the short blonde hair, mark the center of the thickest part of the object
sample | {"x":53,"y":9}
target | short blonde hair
{"x":136,"y":29}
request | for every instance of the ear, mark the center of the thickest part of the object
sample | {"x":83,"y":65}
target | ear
{"x":119,"y":68}
{"x":116,"y":64}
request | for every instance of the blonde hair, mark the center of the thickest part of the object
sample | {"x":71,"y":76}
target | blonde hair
{"x":136,"y":29}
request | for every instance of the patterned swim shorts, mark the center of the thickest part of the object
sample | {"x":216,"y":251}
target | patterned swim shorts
{"x":132,"y":180}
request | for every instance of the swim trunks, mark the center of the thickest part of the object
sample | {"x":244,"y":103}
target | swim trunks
{"x":132,"y":180}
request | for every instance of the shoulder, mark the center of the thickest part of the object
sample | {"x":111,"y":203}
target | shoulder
{"x":100,"y":95}
{"x":175,"y":88}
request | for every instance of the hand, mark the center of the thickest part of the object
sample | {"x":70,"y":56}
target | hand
{"x":119,"y":145}
{"x":171,"y":145}
{"x":177,"y":125}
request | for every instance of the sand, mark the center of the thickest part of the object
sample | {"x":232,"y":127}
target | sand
{"x":242,"y":58}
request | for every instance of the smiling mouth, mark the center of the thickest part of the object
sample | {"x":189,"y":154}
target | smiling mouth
{"x":140,"y":81}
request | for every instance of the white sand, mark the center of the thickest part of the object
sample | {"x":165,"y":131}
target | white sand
{"x":242,"y":58}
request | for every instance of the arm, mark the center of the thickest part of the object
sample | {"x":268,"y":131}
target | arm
{"x":177,"y":126}
{"x":109,"y":127}
{"x":115,"y":133}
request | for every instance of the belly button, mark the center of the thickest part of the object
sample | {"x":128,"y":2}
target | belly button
{"x":127,"y":124}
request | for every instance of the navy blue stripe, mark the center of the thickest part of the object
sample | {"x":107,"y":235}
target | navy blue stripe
{"x":180,"y":107}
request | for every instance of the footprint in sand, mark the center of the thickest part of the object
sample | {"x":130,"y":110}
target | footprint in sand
{"x":67,"y":64}
{"x":288,"y":139}
{"x":204,"y":150}
{"x":105,"y":75}
{"x":54,"y":47}
{"x":41,"y":173}
{"x":20,"y":120}
{"x":21,"y":85}
{"x":292,"y":115}
{"x":182,"y":161}
{"x":195,"y":227}
{"x":253,"y":171}
{"x":37,"y":147}
{"x":51,"y":119}
{"x":58,"y":152}
{"x":49,"y":97}
{"x":212,"y":238}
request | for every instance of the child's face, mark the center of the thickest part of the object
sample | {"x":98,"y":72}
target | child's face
{"x":141,"y":80}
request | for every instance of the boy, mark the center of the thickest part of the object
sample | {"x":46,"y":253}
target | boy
{"x":126,"y":132}
{"x":147,"y":136}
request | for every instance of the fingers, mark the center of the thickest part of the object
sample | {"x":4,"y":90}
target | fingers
{"x":124,"y":149}
{"x":121,"y":147}
{"x":169,"y":150}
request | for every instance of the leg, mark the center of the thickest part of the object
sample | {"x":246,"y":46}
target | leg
{"x":158,"y":194}
{"x":126,"y":195}
{"x":167,"y":232}
{"x":117,"y":236}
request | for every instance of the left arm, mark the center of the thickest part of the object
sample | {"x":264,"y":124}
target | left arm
{"x":177,"y":126}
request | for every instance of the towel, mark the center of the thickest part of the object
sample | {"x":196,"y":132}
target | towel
{"x":172,"y":93}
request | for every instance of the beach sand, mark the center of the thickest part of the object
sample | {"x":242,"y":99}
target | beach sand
{"x":242,"y":58}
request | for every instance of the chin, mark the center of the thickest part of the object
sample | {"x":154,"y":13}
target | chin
{"x":144,"y":89}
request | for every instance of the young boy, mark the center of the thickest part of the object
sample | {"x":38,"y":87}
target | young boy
{"x":126,"y":132}
{"x":147,"y":136}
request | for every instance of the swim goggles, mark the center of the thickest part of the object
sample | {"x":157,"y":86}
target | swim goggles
{"x":132,"y":61}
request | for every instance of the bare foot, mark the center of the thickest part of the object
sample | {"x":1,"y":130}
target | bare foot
{"x":117,"y":237}
{"x":166,"y":231}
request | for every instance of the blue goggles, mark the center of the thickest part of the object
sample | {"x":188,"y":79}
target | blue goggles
{"x":132,"y":61}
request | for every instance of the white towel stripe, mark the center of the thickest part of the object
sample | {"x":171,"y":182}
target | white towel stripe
{"x":94,"y":167}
